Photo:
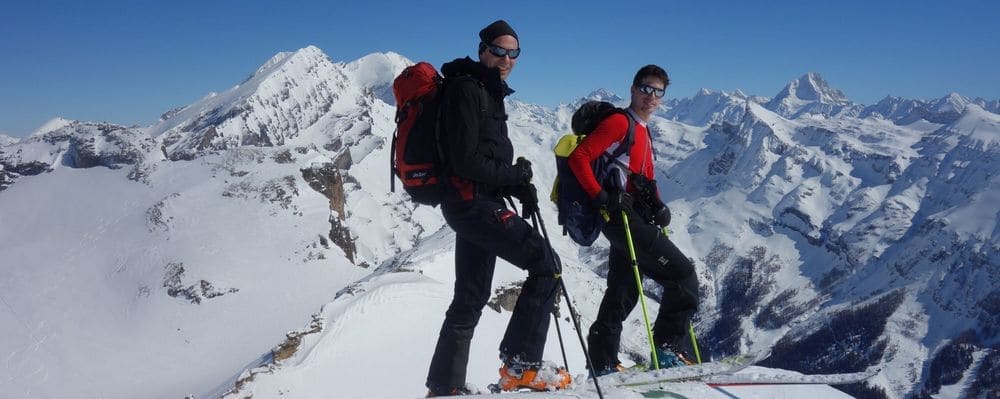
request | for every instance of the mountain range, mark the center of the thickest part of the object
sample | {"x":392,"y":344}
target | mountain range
{"x":248,"y":244}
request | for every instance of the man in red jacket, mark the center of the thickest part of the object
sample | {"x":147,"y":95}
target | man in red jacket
{"x":630,"y":187}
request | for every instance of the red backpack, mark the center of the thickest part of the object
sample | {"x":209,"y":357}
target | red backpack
{"x":416,"y":157}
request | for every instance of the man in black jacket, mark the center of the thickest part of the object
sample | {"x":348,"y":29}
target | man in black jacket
{"x":480,"y":158}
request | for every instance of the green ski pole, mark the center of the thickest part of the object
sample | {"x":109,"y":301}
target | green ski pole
{"x":694,"y":342}
{"x":638,"y":283}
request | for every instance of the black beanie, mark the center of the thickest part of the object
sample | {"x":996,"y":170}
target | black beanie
{"x":495,"y":30}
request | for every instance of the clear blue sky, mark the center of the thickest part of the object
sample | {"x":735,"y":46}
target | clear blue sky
{"x":128,"y":62}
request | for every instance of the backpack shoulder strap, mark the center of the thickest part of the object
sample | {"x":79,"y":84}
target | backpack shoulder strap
{"x":629,"y":139}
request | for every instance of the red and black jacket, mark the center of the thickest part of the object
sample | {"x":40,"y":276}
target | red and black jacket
{"x":610,"y":132}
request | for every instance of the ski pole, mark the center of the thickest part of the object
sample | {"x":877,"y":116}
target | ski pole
{"x":638,"y":283}
{"x":562,"y":347}
{"x":555,"y":315}
{"x":537,"y":215}
{"x":694,"y":342}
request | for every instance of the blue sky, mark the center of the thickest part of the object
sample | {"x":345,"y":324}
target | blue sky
{"x":128,"y":62}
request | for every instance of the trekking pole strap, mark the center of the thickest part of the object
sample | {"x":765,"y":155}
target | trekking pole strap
{"x":638,"y":284}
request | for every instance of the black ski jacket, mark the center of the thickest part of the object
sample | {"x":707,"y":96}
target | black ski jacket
{"x":474,"y":120}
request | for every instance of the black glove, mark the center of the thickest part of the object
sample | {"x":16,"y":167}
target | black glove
{"x":615,"y":201}
{"x":523,"y":170}
{"x":528,"y":196}
{"x":662,"y":217}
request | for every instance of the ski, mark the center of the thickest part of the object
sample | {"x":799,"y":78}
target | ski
{"x":725,"y":366}
{"x":788,"y":378}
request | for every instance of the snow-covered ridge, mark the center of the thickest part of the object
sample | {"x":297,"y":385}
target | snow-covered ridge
{"x":51,"y":125}
{"x":605,"y":95}
{"x":289,"y":94}
{"x":708,"y":107}
{"x":6,"y":140}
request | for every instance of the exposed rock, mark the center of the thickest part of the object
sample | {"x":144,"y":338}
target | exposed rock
{"x":194,"y":293}
{"x":327,"y":180}
{"x":275,"y":191}
{"x":505,"y":298}
{"x":155,"y":219}
{"x":284,"y":156}
{"x":293,"y":339}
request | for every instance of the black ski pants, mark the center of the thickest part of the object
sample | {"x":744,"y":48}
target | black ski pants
{"x":485,"y":229}
{"x":658,"y":259}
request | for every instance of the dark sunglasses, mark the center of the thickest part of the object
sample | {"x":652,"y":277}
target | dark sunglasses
{"x":502,"y":52}
{"x":650,"y":90}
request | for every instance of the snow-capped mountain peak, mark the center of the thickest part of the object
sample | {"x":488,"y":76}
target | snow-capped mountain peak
{"x":707,"y":107}
{"x":812,"y":87}
{"x":952,"y":103}
{"x":810,"y":94}
{"x":376,"y":72}
{"x":604,"y":95}
{"x":287,"y":95}
{"x":52,"y":125}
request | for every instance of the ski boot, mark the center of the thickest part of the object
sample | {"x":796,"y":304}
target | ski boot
{"x":536,"y":377}
{"x":435,"y":392}
{"x":617,"y":368}
{"x":669,"y":357}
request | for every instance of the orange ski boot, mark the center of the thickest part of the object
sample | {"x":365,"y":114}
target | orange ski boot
{"x":546,"y":377}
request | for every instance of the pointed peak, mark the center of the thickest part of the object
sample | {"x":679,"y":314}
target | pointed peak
{"x":52,"y":125}
{"x":306,"y":54}
{"x":310,"y":49}
{"x":815,"y":77}
{"x":309,"y":54}
{"x":809,"y":94}
{"x":603,"y":94}
{"x":812,"y":87}
{"x":955,"y":98}
{"x":703,"y":92}
{"x":951,"y":102}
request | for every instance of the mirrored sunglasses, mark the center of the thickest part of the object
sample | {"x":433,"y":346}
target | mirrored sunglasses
{"x":502,"y":52}
{"x":650,"y":90}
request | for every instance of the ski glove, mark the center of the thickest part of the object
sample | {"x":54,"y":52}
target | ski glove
{"x":615,"y":201}
{"x":528,"y":196}
{"x":662,"y":217}
{"x":523,"y":170}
